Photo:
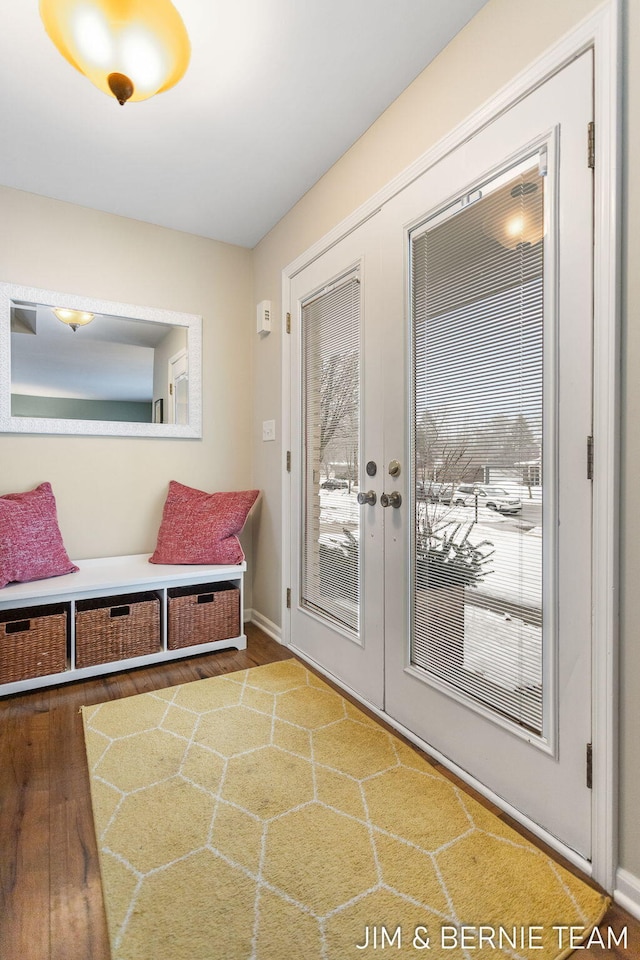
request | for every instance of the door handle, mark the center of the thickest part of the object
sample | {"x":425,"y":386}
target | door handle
{"x":368,"y":497}
{"x":391,"y":499}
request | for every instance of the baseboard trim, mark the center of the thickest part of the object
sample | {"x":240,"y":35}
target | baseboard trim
{"x":267,"y":626}
{"x":627,"y":892}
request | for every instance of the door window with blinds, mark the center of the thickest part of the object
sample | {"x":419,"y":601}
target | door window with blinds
{"x":477,"y":304}
{"x":330,"y":557}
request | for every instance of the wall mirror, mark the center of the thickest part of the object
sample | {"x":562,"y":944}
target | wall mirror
{"x":76,"y":365}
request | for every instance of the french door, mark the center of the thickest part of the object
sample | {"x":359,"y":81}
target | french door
{"x":337,"y":545}
{"x":441,"y":514}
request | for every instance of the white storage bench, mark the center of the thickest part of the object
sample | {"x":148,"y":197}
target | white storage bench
{"x":114,"y":614}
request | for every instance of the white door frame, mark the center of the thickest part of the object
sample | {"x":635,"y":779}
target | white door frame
{"x":600,"y":31}
{"x":171,"y":381}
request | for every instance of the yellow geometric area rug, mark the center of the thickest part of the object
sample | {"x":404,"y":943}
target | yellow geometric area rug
{"x":261,"y":816}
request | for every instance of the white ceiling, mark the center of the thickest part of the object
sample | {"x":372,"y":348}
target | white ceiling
{"x":276,"y":92}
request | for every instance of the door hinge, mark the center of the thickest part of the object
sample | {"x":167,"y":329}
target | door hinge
{"x":590,"y":766}
{"x":288,"y":461}
{"x":591,"y":145}
{"x":288,"y":598}
{"x":589,"y":458}
{"x":170,"y":389}
{"x":288,"y":323}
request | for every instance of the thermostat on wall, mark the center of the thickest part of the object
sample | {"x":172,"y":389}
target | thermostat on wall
{"x":264,"y":316}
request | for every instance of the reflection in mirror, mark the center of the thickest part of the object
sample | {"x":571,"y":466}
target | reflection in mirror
{"x":88,"y":366}
{"x":109,"y":368}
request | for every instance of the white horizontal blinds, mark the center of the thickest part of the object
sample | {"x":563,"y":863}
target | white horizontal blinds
{"x":330,"y":566}
{"x":477,"y":305}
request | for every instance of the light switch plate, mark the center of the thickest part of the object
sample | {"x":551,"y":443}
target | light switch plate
{"x":268,"y":429}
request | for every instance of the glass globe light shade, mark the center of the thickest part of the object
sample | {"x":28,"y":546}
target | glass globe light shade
{"x":130,"y":49}
{"x":73,"y":318}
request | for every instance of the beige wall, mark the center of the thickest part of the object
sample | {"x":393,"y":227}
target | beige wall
{"x":110,"y":491}
{"x":500,"y":42}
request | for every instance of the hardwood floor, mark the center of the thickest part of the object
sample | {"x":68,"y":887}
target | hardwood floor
{"x":50,"y":896}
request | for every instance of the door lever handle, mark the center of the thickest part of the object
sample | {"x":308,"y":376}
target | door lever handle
{"x":391,"y":499}
{"x":368,"y":497}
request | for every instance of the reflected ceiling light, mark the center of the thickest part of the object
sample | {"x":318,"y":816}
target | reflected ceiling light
{"x":131,"y":49}
{"x":73,"y":318}
{"x":522,"y":222}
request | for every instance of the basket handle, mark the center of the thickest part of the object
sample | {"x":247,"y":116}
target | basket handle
{"x":18,"y":626}
{"x":205,"y":598}
{"x":119,"y":611}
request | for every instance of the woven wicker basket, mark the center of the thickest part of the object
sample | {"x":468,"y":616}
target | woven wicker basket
{"x":33,"y":642}
{"x":203,"y":613}
{"x":115,"y":628}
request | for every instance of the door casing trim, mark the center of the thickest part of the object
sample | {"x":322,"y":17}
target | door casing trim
{"x":600,"y":32}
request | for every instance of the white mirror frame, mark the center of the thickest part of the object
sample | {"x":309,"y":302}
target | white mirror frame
{"x":10,"y":424}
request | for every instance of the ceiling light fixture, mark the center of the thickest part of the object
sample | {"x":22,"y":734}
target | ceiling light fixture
{"x":131,"y":49}
{"x":73,"y":318}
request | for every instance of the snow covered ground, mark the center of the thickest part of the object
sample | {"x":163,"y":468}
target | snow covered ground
{"x":502,"y":647}
{"x":516,"y":573}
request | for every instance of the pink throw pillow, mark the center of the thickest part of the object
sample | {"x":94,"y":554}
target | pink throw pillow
{"x":31,"y":546}
{"x":199,"y":527}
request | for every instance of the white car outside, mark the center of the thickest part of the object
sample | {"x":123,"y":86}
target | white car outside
{"x":494,"y":498}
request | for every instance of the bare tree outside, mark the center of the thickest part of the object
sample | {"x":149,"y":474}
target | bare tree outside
{"x":339,"y":389}
{"x":331,"y":350}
